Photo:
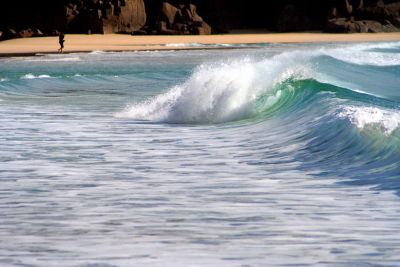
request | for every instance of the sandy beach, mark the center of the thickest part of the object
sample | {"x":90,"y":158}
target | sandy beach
{"x":118,"y":42}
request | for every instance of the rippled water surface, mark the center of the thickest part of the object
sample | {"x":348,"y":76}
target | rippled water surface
{"x":271,"y":155}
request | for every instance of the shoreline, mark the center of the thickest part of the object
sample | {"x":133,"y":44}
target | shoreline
{"x":76,"y":43}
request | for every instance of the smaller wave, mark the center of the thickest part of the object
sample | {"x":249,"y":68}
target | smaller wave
{"x":3,"y":79}
{"x":30,"y":76}
{"x":45,"y":59}
{"x":385,"y":120}
{"x":207,"y":45}
{"x":365,"y":54}
{"x":97,"y":52}
{"x":185,"y":45}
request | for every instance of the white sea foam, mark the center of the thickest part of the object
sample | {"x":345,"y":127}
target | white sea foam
{"x":53,"y":59}
{"x":218,"y":92}
{"x":385,"y":120}
{"x":227,"y":91}
{"x":185,"y":45}
{"x":3,"y":79}
{"x":30,"y":76}
{"x":97,"y":52}
{"x":363,"y":54}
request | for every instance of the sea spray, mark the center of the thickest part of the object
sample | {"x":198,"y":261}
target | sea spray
{"x":385,"y":120}
{"x":218,"y":92}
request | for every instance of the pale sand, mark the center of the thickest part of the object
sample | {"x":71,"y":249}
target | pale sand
{"x":119,"y":42}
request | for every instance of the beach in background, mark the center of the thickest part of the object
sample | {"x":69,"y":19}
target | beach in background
{"x":119,"y":42}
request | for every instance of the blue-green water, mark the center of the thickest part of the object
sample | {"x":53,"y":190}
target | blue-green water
{"x":271,"y":155}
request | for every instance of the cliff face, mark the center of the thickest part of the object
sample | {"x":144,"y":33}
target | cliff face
{"x":102,"y":16}
{"x":26,"y":18}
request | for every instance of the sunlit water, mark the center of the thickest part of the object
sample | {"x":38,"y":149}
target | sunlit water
{"x":268,"y":155}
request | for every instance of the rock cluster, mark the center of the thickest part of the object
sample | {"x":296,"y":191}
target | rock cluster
{"x":181,"y":19}
{"x":9,"y":33}
{"x":23,"y":18}
{"x":353,"y":16}
{"x":111,"y":16}
{"x":103,"y":16}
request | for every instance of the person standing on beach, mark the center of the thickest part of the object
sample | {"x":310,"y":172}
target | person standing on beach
{"x":61,"y":42}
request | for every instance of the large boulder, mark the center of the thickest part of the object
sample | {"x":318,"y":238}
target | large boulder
{"x":380,"y":13}
{"x":8,"y":33}
{"x":169,"y":12}
{"x":104,"y":16}
{"x":343,"y":25}
{"x":181,"y":19}
{"x":123,"y":16}
{"x":26,"y":33}
{"x":363,"y":16}
{"x":203,"y":29}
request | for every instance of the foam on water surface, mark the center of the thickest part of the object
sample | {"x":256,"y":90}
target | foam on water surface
{"x":31,"y":76}
{"x":386,"y":120}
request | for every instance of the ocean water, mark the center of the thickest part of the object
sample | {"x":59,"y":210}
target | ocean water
{"x":267,"y":155}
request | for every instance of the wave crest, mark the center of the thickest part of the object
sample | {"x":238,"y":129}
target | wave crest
{"x":217,"y":93}
{"x":385,"y":120}
{"x":30,"y":76}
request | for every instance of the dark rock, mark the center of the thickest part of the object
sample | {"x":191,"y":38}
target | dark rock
{"x":357,"y":27}
{"x":380,"y":14}
{"x":37,"y":33}
{"x":162,"y":26}
{"x":204,"y":29}
{"x":181,"y":19}
{"x":132,"y":16}
{"x":25,"y":33}
{"x":292,"y":19}
{"x":169,"y":12}
{"x":380,"y":4}
{"x":54,"y":33}
{"x":9,"y":33}
{"x":343,"y":25}
{"x":108,"y":16}
{"x":195,"y":16}
{"x":139,"y":32}
{"x":181,"y":27}
{"x":337,"y":25}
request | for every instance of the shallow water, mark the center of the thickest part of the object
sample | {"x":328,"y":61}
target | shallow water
{"x":275,"y":155}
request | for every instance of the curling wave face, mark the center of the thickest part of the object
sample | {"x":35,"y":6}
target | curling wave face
{"x":243,"y":88}
{"x":220,"y":92}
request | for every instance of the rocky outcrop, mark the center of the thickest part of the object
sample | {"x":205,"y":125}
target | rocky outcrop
{"x":356,"y":16}
{"x":343,"y":25}
{"x":181,"y":19}
{"x":9,"y":33}
{"x":21,"y":18}
{"x":103,"y":16}
{"x":292,"y":19}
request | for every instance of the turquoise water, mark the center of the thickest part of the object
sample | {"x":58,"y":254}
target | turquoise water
{"x":267,"y":155}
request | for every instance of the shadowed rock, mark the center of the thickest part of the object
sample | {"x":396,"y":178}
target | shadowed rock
{"x":195,"y":16}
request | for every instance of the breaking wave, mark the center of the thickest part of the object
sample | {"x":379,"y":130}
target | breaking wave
{"x":247,"y":87}
{"x":31,"y":76}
